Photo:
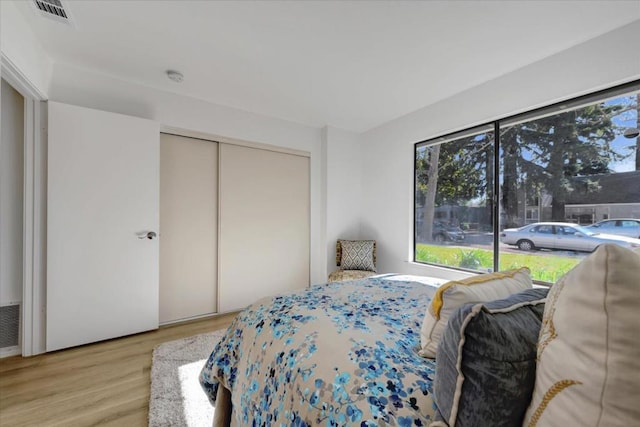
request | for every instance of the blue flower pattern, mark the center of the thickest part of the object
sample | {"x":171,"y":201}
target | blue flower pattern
{"x":333,"y":355}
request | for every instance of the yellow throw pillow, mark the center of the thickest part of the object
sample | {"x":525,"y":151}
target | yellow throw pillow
{"x":454,"y":294}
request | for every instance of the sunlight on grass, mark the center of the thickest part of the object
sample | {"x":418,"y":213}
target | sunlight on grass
{"x":544,"y":266}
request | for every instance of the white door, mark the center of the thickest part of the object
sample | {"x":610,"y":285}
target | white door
{"x":189,"y":224}
{"x":264,"y":225}
{"x":103,"y":196}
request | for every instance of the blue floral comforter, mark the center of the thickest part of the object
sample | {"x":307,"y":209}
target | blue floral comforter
{"x":336,"y":354}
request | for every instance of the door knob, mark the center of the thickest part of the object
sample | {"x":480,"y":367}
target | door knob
{"x":147,"y":235}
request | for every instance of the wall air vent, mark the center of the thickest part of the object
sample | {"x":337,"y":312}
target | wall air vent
{"x":53,"y":9}
{"x":9,"y":329}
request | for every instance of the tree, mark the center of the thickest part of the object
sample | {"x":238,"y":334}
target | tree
{"x":551,"y":151}
{"x":452,"y":173}
{"x":539,"y":157}
{"x":638,"y":127}
{"x":430,"y":193}
{"x":511,"y":177}
{"x":462,"y":171}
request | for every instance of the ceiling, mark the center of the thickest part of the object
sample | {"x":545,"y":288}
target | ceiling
{"x":349,"y":64}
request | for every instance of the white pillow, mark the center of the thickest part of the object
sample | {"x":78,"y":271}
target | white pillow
{"x":454,"y":294}
{"x":588,"y":370}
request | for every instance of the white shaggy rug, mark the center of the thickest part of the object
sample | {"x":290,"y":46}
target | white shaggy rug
{"x":176,"y":396}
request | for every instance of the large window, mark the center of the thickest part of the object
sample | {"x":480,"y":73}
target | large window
{"x":457,"y":212}
{"x":531,"y":190}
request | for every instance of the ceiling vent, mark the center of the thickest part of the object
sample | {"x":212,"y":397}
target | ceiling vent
{"x":53,"y":9}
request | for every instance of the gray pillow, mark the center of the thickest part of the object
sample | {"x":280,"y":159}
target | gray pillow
{"x":486,"y":361}
{"x":357,"y":255}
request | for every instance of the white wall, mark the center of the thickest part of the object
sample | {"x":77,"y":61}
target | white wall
{"x":344,"y":188}
{"x":387,"y":203}
{"x":11,"y":193}
{"x":21,"y":48}
{"x":86,"y":88}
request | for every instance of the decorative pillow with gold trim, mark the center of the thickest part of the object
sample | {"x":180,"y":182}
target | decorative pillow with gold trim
{"x":454,"y":294}
{"x":588,"y":371}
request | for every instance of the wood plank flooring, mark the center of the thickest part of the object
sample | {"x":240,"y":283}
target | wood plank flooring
{"x":106,"y":383}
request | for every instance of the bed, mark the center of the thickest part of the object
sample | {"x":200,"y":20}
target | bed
{"x":337,"y":354}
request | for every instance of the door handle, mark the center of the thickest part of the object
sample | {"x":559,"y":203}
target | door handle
{"x":147,"y":235}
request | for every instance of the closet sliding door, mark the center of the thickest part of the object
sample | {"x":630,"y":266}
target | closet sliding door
{"x":188,"y":227}
{"x":264,"y":225}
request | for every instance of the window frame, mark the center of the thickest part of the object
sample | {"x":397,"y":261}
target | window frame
{"x":495,"y":126}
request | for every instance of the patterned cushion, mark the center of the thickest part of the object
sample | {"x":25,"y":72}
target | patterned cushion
{"x":357,"y":255}
{"x":341,"y":275}
{"x":486,"y":361}
{"x":588,"y":369}
{"x":454,"y":294}
{"x":339,"y":253}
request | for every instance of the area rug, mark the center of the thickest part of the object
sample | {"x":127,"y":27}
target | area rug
{"x":176,"y":396}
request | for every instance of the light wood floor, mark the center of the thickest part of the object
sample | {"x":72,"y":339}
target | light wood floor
{"x":97,"y":384}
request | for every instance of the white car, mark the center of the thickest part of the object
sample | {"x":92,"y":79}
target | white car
{"x":629,"y":227}
{"x":562,"y":236}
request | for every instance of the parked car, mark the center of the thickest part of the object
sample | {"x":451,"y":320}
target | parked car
{"x":629,"y":227}
{"x":561,"y":236}
{"x":443,"y":232}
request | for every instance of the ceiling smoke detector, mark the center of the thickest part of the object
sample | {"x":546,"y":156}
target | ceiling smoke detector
{"x":53,"y":9}
{"x":176,"y":76}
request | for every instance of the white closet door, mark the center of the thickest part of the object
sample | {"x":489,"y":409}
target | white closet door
{"x":189,"y":224}
{"x":264,"y":225}
{"x":103,"y":189}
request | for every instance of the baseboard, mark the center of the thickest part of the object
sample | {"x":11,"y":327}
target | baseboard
{"x":188,"y":319}
{"x":10,"y":351}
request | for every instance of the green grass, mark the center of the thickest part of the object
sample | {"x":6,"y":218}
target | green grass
{"x":544,"y":266}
